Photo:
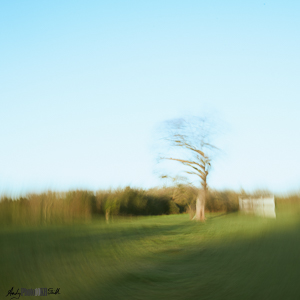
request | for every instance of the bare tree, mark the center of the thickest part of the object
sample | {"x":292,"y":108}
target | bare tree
{"x":192,"y":135}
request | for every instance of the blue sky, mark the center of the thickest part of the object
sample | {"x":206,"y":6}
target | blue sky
{"x":84,"y":84}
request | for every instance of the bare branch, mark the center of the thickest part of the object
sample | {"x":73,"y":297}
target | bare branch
{"x":193,"y":173}
{"x":183,"y":161}
{"x":199,"y":171}
{"x":183,"y":143}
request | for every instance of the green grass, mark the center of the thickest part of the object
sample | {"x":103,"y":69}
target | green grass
{"x":231,"y":256}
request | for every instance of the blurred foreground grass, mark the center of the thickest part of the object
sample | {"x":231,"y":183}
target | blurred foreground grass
{"x":231,"y":256}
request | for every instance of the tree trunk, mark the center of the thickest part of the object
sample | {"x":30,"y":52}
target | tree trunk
{"x":200,"y":206}
{"x":107,"y":215}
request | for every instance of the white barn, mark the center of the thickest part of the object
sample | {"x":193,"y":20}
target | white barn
{"x":263,"y":206}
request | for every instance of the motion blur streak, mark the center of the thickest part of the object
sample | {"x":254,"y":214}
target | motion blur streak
{"x":230,"y":256}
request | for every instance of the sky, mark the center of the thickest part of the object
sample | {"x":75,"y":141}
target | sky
{"x":84,"y":86}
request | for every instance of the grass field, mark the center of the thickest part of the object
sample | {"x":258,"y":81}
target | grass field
{"x":230,"y":256}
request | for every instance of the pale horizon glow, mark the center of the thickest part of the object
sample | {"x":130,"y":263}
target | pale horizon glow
{"x":84,"y":86}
